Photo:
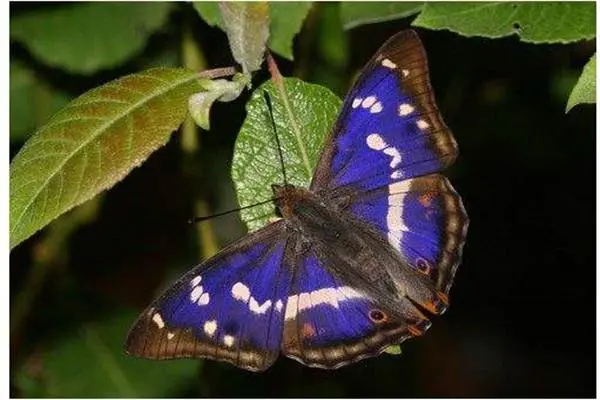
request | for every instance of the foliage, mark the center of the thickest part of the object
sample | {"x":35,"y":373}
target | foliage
{"x":68,"y":148}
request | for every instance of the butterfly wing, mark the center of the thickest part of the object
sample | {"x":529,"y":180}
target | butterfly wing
{"x":381,"y":161}
{"x":332,"y":318}
{"x":229,"y":308}
{"x":423,"y":218}
{"x":389,"y":128}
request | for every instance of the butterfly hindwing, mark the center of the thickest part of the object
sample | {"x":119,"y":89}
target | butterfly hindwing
{"x":423,"y":219}
{"x":230,"y":308}
{"x":389,"y":128}
{"x":330,"y":322}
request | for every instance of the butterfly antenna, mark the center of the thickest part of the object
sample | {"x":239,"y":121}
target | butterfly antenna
{"x":200,"y":219}
{"x":270,"y":108}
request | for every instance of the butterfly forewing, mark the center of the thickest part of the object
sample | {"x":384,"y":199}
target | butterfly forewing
{"x":229,"y":308}
{"x":389,"y":128}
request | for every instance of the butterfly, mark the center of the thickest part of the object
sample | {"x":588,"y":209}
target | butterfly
{"x":358,"y":260}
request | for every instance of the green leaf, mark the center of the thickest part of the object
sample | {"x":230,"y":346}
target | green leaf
{"x":544,"y":22}
{"x":86,"y":37}
{"x":584,"y":91}
{"x":93,"y":143}
{"x":356,"y":13}
{"x":32,"y":101}
{"x":209,"y":12}
{"x":91,"y":363}
{"x":286,"y":21}
{"x":394,"y":349}
{"x":303,"y":120}
{"x":247,"y":28}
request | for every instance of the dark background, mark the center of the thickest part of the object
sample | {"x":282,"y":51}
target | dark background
{"x":522,"y":315}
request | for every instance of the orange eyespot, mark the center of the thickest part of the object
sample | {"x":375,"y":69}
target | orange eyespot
{"x":426,"y":198}
{"x":308,"y":330}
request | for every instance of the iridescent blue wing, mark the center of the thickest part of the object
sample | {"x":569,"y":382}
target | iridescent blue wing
{"x":332,"y":320}
{"x":229,"y":308}
{"x":380,"y":162}
{"x":389,"y":128}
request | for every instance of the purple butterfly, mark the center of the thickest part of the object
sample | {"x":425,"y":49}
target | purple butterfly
{"x":357,"y":261}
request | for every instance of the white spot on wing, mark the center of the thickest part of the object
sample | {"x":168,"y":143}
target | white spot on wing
{"x":279,"y":305}
{"x":291,"y":309}
{"x":204,"y":299}
{"x":239,"y":291}
{"x":324,"y":296}
{"x":421,"y":124}
{"x":170,"y":335}
{"x":369,"y":101}
{"x":356,"y":102}
{"x":405,"y":109}
{"x":210,"y":327}
{"x":388,"y":63}
{"x":376,"y":142}
{"x":397,"y":200}
{"x":196,"y":280}
{"x":259,"y":309}
{"x":376,"y":108}
{"x":228,"y":340}
{"x":331,"y":296}
{"x":196,"y":293}
{"x":304,"y":301}
{"x":158,"y":321}
{"x":395,"y":154}
{"x":400,"y":187}
{"x":405,"y":72}
{"x":395,"y":215}
{"x":396,"y":175}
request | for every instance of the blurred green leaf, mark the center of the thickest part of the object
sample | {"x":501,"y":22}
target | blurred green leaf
{"x":247,"y":28}
{"x":303,"y":121}
{"x":93,"y":143}
{"x":356,"y":13}
{"x":86,"y":37}
{"x":91,"y":363}
{"x":543,"y":22}
{"x":332,"y":54}
{"x":585,"y":88}
{"x":209,"y":12}
{"x":286,"y":21}
{"x":394,"y":350}
{"x":32,"y":101}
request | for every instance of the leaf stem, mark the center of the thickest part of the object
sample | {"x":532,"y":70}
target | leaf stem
{"x":216,"y":72}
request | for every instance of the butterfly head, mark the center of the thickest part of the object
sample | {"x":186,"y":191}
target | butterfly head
{"x":289,"y":197}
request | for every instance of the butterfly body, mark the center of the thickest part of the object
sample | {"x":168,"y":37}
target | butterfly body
{"x":357,"y":261}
